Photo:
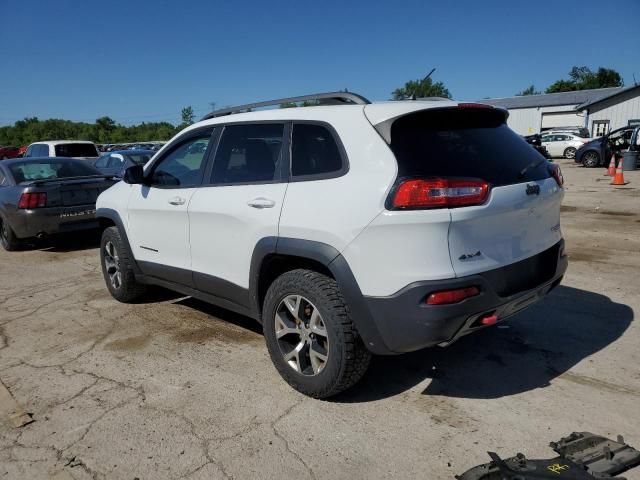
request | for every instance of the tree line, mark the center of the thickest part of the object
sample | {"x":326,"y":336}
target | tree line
{"x":580,"y":78}
{"x":104,"y":130}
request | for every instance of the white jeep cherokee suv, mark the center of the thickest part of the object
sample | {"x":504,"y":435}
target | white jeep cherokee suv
{"x":345,"y":229}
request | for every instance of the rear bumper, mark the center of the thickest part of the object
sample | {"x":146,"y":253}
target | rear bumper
{"x":47,"y":221}
{"x":406,"y":323}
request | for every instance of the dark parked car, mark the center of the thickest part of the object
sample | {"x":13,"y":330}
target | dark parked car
{"x":115,"y":163}
{"x":9,"y":152}
{"x":598,"y":152}
{"x":43,"y":196}
{"x":535,"y":141}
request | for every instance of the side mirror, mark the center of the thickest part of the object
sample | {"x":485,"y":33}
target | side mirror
{"x":134,"y":175}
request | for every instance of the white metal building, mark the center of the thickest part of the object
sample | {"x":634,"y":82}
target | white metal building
{"x":599,"y":110}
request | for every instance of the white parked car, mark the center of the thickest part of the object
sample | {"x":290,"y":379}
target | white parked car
{"x":81,"y":149}
{"x":563,"y":144}
{"x":345,"y":229}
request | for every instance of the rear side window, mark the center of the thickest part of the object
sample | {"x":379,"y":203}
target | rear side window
{"x":248,"y":154}
{"x":38,"y":150}
{"x":76,"y":150}
{"x":314,"y":151}
{"x":458,"y":142}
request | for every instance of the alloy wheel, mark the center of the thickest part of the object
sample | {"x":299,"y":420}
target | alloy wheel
{"x":4,"y":232}
{"x":570,"y":153}
{"x":302,"y":335}
{"x":112,"y":265}
{"x":590,"y":159}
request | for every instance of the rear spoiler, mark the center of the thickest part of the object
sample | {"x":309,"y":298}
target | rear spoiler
{"x":60,"y":180}
{"x":383,"y":123}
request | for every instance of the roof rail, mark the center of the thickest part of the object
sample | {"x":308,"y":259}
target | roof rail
{"x":330,"y":98}
{"x":431,"y":99}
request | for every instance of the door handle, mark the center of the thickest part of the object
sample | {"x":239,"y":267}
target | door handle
{"x":261,"y":202}
{"x":177,"y":201}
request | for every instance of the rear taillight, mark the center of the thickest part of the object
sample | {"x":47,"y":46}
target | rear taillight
{"x":447,"y":297}
{"x":439,"y":193}
{"x":32,"y":200}
{"x":556,"y":173}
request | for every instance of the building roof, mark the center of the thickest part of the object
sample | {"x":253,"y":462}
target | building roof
{"x":613,"y":94}
{"x":579,"y":97}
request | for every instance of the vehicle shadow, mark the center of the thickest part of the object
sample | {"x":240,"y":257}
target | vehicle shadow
{"x":241,"y":321}
{"x":67,"y":242}
{"x":524,"y":353}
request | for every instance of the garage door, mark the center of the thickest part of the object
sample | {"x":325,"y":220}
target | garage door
{"x":561,"y":119}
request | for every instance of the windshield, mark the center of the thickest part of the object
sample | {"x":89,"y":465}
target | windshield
{"x":457,"y":142}
{"x":76,"y":150}
{"x":47,"y":170}
{"x":138,"y":159}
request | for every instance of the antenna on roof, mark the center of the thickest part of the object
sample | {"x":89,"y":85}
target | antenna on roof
{"x":413,"y":94}
{"x":634,"y":79}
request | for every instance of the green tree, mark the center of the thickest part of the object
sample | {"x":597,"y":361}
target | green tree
{"x":421,"y":88}
{"x":583,"y":78}
{"x":187,"y":115}
{"x":530,"y":90}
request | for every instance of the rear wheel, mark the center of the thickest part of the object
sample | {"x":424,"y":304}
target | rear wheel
{"x":310,"y":336}
{"x":570,"y":153}
{"x":117,"y":268}
{"x":591,"y":159}
{"x":8,"y":238}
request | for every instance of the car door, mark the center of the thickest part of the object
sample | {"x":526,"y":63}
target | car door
{"x":157,"y":210}
{"x":548,"y":142}
{"x":238,"y":205}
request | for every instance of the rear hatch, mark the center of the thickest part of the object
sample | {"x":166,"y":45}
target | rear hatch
{"x":519,"y":215}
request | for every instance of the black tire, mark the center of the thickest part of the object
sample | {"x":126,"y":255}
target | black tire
{"x":591,"y":159}
{"x":570,"y":153}
{"x":8,"y":238}
{"x":127,"y":289}
{"x":347,"y":358}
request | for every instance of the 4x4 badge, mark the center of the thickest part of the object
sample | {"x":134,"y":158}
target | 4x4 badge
{"x":533,"y":189}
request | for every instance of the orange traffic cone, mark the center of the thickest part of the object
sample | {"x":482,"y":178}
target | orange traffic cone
{"x":612,"y":166}
{"x":618,"y":179}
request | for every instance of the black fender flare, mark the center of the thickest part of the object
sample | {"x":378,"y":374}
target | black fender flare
{"x":114,"y":216}
{"x":331,"y":258}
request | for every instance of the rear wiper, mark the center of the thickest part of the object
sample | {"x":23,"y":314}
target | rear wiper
{"x":530,"y":166}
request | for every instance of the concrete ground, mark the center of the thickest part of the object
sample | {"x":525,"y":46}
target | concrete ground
{"x":175,"y":388}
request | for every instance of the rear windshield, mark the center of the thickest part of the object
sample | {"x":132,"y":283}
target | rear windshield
{"x":46,"y":170}
{"x":459,"y":142}
{"x":76,"y":150}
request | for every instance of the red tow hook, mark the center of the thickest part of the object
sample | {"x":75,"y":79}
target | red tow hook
{"x":489,"y":320}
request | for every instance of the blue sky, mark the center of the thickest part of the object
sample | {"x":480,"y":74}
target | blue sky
{"x":136,"y":60}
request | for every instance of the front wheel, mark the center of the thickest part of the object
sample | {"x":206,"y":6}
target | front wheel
{"x":8,"y":238}
{"x":570,"y":153}
{"x":591,"y":159}
{"x":117,"y":268}
{"x":310,"y":335}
